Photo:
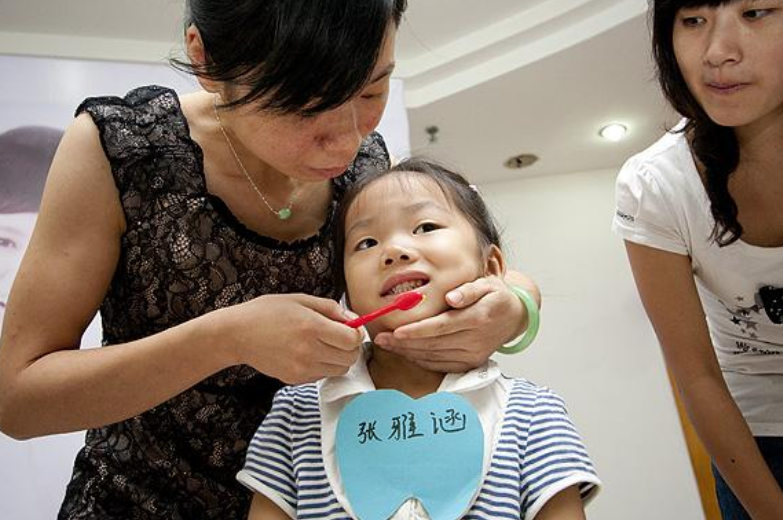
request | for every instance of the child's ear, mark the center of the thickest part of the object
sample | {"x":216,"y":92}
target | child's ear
{"x":494,"y":263}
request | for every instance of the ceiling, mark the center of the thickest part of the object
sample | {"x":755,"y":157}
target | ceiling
{"x":507,"y":77}
{"x":497,"y":77}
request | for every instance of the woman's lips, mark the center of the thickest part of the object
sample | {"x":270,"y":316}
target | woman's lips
{"x":725,"y":88}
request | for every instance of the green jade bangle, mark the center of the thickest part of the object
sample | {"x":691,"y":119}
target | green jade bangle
{"x":533,"y":321}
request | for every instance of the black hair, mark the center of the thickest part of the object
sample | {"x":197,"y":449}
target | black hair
{"x":454,"y":186}
{"x":26,"y":153}
{"x":714,"y":146}
{"x":294,"y":56}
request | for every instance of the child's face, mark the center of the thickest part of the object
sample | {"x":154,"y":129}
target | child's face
{"x":403,"y":234}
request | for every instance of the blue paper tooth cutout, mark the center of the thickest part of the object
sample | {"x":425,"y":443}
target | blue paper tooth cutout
{"x":391,"y":448}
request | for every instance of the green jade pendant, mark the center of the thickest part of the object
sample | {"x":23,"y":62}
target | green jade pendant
{"x":284,"y":214}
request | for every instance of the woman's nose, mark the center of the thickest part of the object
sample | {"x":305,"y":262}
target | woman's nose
{"x":723,"y":43}
{"x":342,"y":136}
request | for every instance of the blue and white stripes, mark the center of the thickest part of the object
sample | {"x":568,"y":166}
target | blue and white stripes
{"x":538,"y":454}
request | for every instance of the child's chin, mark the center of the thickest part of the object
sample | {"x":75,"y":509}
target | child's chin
{"x":402,"y":318}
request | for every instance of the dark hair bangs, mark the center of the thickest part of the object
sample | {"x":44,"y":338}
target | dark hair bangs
{"x":290,"y":56}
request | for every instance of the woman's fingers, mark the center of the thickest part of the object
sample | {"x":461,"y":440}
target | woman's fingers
{"x":487,"y":316}
{"x":338,"y":356}
{"x":466,"y":349}
{"x":443,"y":359}
{"x":326,"y":325}
{"x":327,"y":308}
{"x":432,"y":329}
{"x":469,"y":293}
{"x":296,"y":338}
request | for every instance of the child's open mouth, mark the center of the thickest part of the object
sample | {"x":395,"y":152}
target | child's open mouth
{"x":405,"y":286}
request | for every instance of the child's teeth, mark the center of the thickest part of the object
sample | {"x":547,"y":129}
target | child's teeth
{"x":407,"y":286}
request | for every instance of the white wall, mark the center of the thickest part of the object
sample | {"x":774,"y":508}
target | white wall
{"x":596,"y":348}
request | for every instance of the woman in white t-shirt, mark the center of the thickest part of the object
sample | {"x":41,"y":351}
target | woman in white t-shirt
{"x":702,"y":218}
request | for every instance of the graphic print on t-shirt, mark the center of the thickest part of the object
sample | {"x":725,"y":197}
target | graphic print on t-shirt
{"x":768,"y":303}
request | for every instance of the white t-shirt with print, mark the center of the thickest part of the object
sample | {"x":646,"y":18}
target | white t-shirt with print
{"x":662,"y":203}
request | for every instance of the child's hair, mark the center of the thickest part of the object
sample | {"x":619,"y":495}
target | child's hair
{"x":716,"y":147}
{"x":26,"y":152}
{"x":294,"y":56}
{"x":458,"y":191}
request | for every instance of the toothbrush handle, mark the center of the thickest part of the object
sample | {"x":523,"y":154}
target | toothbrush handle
{"x":363,"y":320}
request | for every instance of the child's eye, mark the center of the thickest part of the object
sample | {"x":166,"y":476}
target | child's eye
{"x":366,"y":243}
{"x":426,"y":227}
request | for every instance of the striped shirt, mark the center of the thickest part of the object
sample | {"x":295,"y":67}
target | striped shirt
{"x":534,"y":450}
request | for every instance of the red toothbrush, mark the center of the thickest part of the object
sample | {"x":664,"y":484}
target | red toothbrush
{"x":403,"y":302}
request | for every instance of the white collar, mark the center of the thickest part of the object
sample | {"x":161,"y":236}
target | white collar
{"x":358,"y":380}
{"x":485,"y":388}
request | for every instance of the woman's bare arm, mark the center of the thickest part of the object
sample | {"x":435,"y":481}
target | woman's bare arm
{"x":48,"y":385}
{"x":264,"y":509}
{"x":668,"y":292}
{"x":59,"y":286}
{"x":566,"y":505}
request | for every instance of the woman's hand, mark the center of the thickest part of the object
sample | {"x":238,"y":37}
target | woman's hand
{"x":485,"y":314}
{"x":295,"y":338}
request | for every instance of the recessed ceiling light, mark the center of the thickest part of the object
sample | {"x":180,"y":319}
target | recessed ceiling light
{"x":520,"y":161}
{"x":613,"y":132}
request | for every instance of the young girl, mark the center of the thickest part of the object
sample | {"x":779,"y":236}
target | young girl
{"x":701,"y":216}
{"x":418,"y":227}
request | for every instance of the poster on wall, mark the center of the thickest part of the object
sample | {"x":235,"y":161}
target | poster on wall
{"x":37,"y":100}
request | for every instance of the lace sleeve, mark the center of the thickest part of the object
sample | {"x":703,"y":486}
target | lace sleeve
{"x":146,"y":141}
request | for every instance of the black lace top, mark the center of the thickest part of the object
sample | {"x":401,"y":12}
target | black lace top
{"x":184,"y":254}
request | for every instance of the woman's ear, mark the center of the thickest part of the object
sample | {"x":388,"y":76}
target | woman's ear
{"x":494,"y":262}
{"x":194,"y":46}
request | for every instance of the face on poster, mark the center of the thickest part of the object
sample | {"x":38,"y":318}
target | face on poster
{"x":15,"y":232}
{"x":26,"y":154}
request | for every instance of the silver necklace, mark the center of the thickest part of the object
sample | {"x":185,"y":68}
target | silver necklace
{"x":283,"y":213}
